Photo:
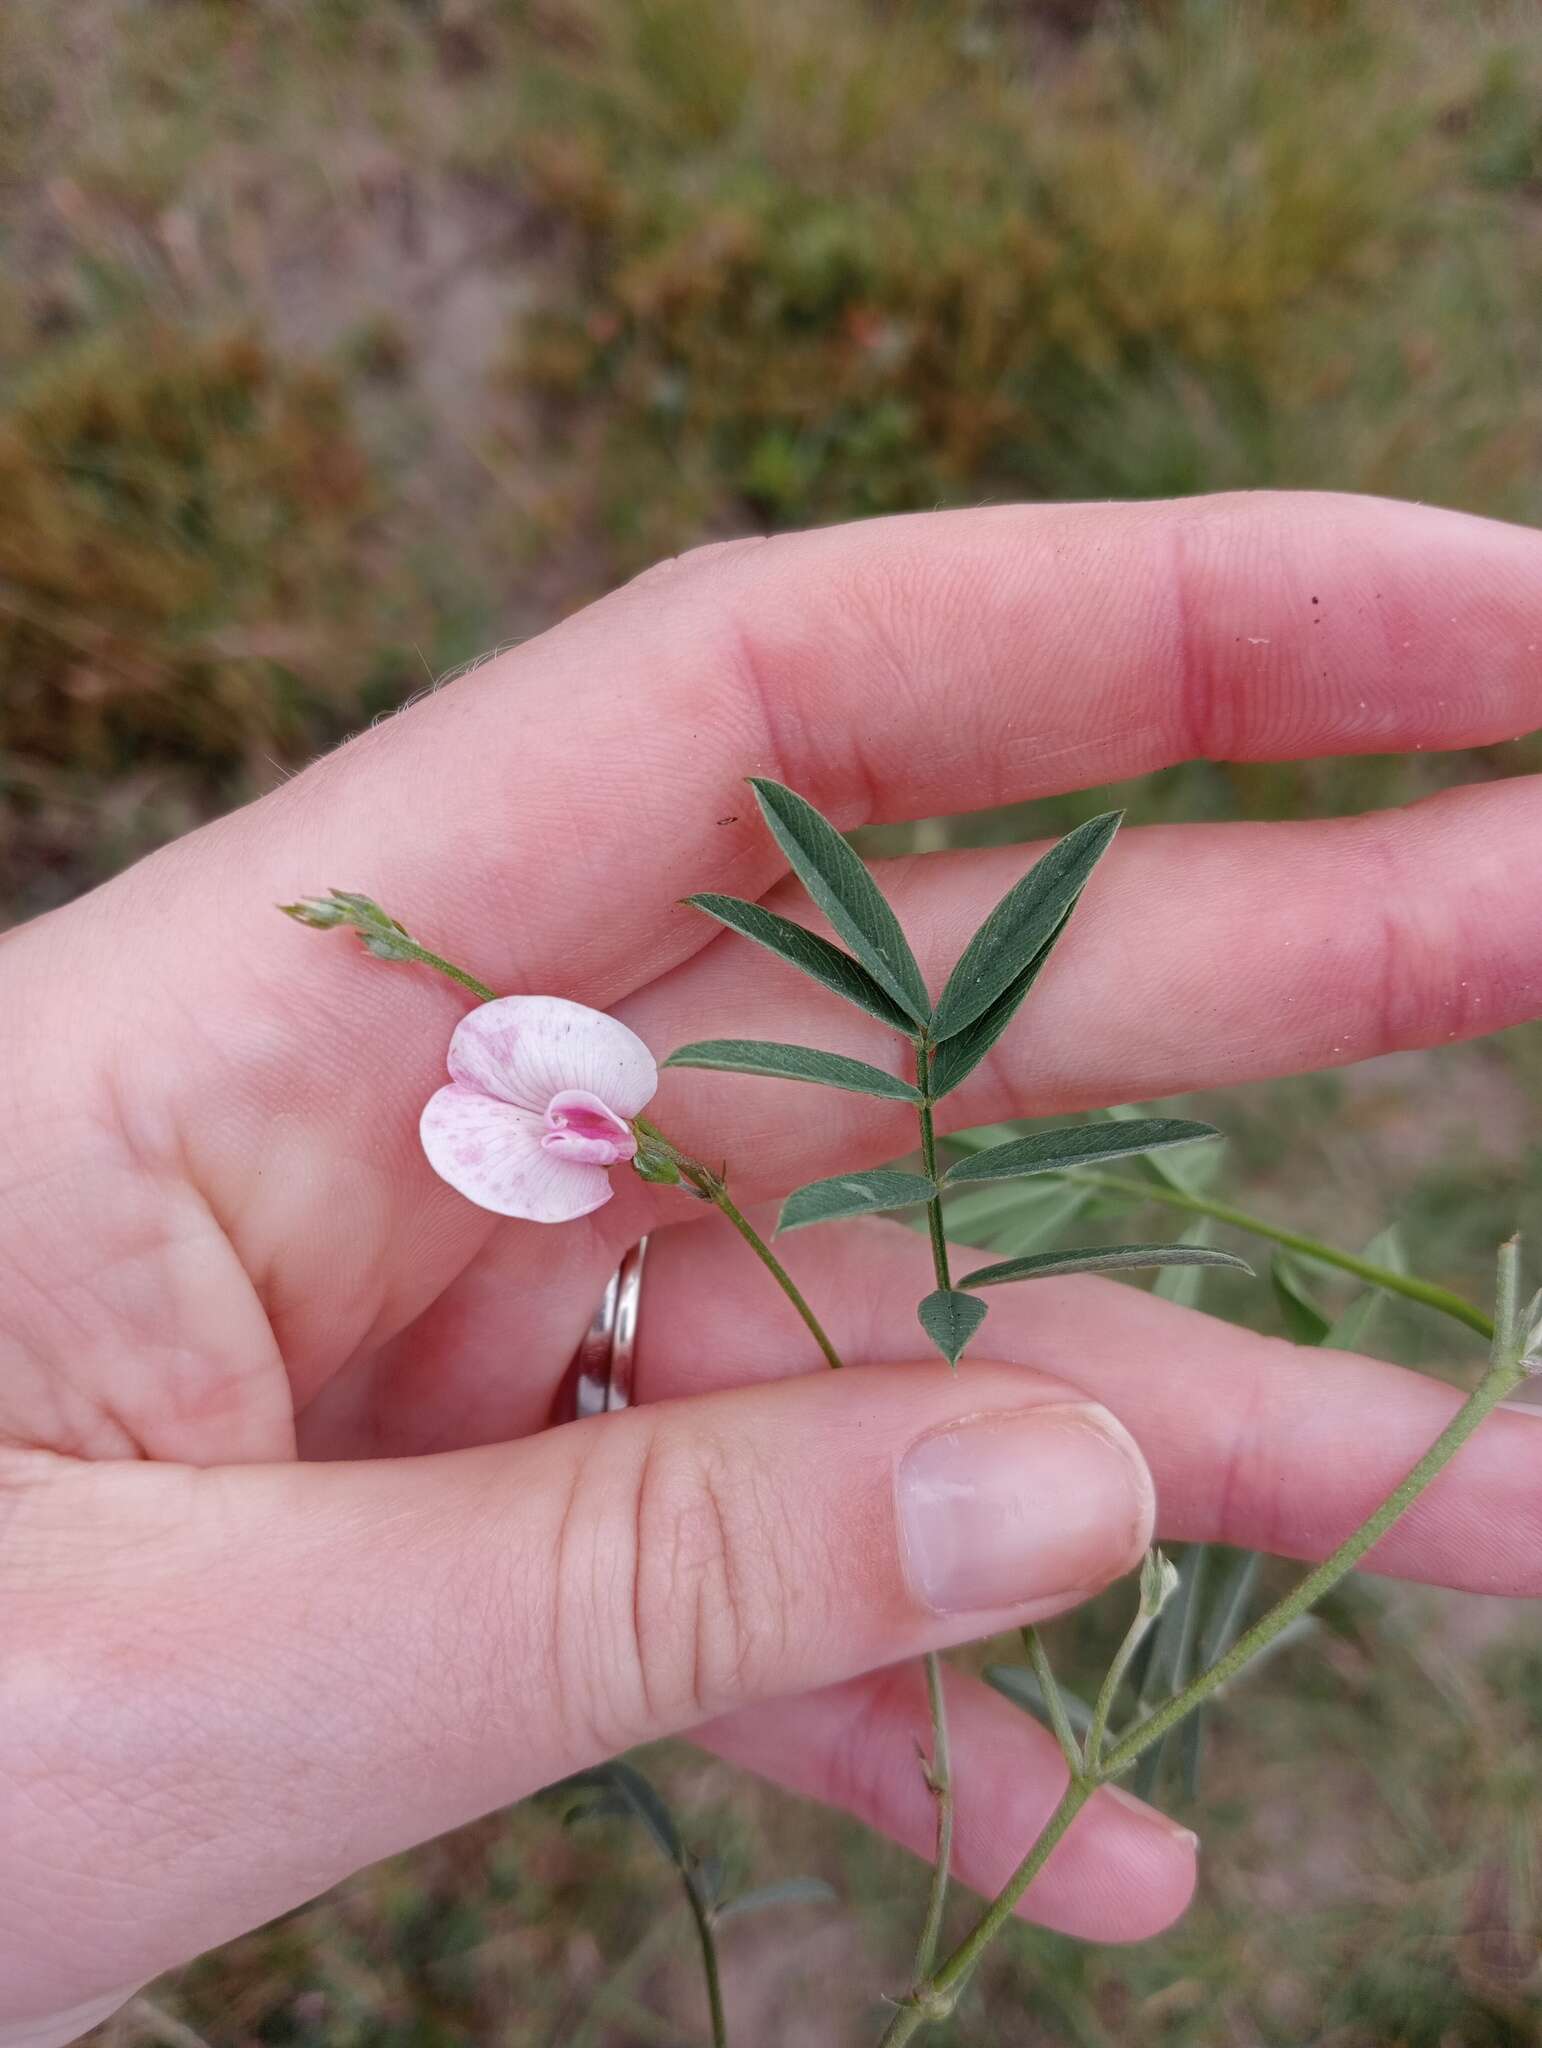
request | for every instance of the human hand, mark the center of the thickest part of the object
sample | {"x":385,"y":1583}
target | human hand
{"x":292,"y":1573}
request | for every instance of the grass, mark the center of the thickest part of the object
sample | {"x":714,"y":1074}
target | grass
{"x":339,"y":342}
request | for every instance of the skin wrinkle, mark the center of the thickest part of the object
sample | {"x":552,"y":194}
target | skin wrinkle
{"x":708,"y":1582}
{"x":642,"y":1483}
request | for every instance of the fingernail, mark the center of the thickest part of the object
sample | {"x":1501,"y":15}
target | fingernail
{"x":1151,"y":1816}
{"x":1005,"y":1510}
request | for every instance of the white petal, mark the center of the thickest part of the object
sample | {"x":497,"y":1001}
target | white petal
{"x":491,"y":1153}
{"x":526,"y":1049}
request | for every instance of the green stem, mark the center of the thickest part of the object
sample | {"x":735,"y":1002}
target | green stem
{"x":941,"y":1770}
{"x":701,"y":1913}
{"x":935,"y":1996}
{"x":1108,"y":1692}
{"x":934,"y":1222}
{"x":1425,"y":1291}
{"x":1049,"y":1685}
{"x":1497,"y":1385}
{"x":720,"y":1197}
{"x":939,"y":1776}
{"x":469,"y":981}
{"x":714,"y":1189}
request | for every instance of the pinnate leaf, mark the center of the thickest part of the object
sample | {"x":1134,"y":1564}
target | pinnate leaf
{"x":840,"y":884}
{"x":1115,"y":1258}
{"x":1029,"y":917}
{"x":808,"y":952}
{"x":853,"y":1194}
{"x":793,"y":1063}
{"x":950,"y":1319}
{"x":1075,"y":1145}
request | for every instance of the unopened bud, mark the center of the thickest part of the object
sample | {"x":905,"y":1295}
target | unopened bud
{"x":654,"y":1164}
{"x":1158,"y":1583}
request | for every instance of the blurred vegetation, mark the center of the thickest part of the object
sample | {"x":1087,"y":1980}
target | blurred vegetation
{"x":340,"y":341}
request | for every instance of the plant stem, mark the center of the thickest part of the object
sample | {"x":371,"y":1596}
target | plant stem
{"x":468,"y":981}
{"x":701,"y":1913}
{"x":713,"y":1188}
{"x":1049,"y":1685}
{"x":1496,"y":1386}
{"x":940,"y":1772}
{"x":935,"y":1996}
{"x":939,"y":1776}
{"x":1425,"y":1291}
{"x":929,"y":1163}
{"x":1108,"y":1692}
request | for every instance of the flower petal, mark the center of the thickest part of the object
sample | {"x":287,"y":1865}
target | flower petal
{"x":491,"y":1153}
{"x":579,"y":1126}
{"x":526,"y":1049}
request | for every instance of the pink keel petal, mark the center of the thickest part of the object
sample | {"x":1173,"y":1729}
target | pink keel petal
{"x":491,"y":1152}
{"x":580,"y":1126}
{"x":526,"y":1049}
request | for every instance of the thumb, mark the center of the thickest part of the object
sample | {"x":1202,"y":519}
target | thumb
{"x":240,"y":1685}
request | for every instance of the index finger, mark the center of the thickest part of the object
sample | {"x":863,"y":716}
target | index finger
{"x":909,"y":666}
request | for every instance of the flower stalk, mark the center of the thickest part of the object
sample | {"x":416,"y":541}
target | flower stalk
{"x":712,"y":1186}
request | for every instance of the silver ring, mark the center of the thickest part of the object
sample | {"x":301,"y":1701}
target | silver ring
{"x":599,"y":1381}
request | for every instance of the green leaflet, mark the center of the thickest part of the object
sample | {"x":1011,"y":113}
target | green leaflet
{"x":787,"y":1891}
{"x":959,"y":1055}
{"x":1304,"y":1321}
{"x":853,"y":1194}
{"x":950,"y":1319}
{"x":1185,"y":1284}
{"x":1026,"y":920}
{"x":809,"y":953}
{"x":793,"y":1063}
{"x":1074,"y":1145}
{"x":1115,"y":1258}
{"x":616,"y":1788}
{"x":847,"y":894}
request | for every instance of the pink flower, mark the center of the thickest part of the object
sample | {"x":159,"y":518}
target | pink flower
{"x":540,"y":1096}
